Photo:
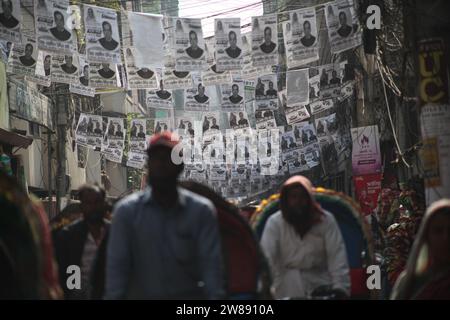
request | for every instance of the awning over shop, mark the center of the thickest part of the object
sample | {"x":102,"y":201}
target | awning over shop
{"x":14,"y":139}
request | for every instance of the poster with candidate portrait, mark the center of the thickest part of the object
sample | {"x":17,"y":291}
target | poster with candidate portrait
{"x":184,"y":126}
{"x":304,"y":133}
{"x":65,"y":68}
{"x":232,"y":95}
{"x":54,"y":29}
{"x":174,"y":79}
{"x":42,"y":70}
{"x":217,"y":172}
{"x":297,"y":82}
{"x":249,"y":71}
{"x":102,"y":35}
{"x":238,"y":120}
{"x":344,"y":31}
{"x":23,"y":57}
{"x":10,"y":20}
{"x":102,"y":75}
{"x":138,"y":78}
{"x":305,"y":158}
{"x":266,"y":92}
{"x":114,"y":140}
{"x":264,"y":40}
{"x":228,"y":44}
{"x":159,"y":98}
{"x":210,"y":123}
{"x":90,"y":131}
{"x":296,"y":113}
{"x":162,"y":124}
{"x":197,"y":98}
{"x":82,"y":85}
{"x":212,"y":76}
{"x":137,"y":143}
{"x":331,"y":77}
{"x":265,"y":119}
{"x":81,"y":129}
{"x":189,"y":45}
{"x":320,"y":106}
{"x":301,"y":37}
{"x":5,"y":50}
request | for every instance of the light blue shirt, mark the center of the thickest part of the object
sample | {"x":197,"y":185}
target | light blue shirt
{"x":155,"y":253}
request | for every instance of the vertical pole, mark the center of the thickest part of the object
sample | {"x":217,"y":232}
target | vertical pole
{"x":49,"y":163}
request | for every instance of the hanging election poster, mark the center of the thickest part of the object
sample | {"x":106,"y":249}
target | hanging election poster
{"x":23,"y":57}
{"x":301,"y":37}
{"x":102,"y":35}
{"x":320,"y":106}
{"x":81,"y":86}
{"x":94,"y":132}
{"x":295,"y":113}
{"x":114,"y":139}
{"x":366,"y":155}
{"x":173,"y":79}
{"x":218,"y":172}
{"x":5,"y":50}
{"x":189,"y":45}
{"x":147,"y":38}
{"x":232,"y":95}
{"x":42,"y":70}
{"x":10,"y":20}
{"x":137,"y":143}
{"x":102,"y":75}
{"x":184,"y":125}
{"x":264,"y":40}
{"x":297,"y":83}
{"x":212,"y":76}
{"x":81,"y":130}
{"x":197,"y":98}
{"x":210,"y":123}
{"x":159,"y":99}
{"x":228,"y":44}
{"x":162,"y":124}
{"x":331,"y":78}
{"x":54,"y":30}
{"x":343,"y":27}
{"x":288,"y":141}
{"x":248,"y":70}
{"x":65,"y":69}
{"x":138,"y":78}
{"x":266,"y":92}
{"x":238,"y":120}
{"x":314,"y":87}
{"x":304,"y":133}
{"x":265,"y":120}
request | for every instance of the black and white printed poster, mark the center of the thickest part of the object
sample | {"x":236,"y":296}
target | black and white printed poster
{"x":238,"y":120}
{"x":10,"y":21}
{"x":210,"y":123}
{"x":65,"y":69}
{"x":327,"y":129}
{"x":138,"y":78}
{"x":320,"y":106}
{"x":114,"y":139}
{"x":159,"y":98}
{"x":184,"y":126}
{"x":218,"y":172}
{"x":331,"y":77}
{"x":249,"y":71}
{"x":54,"y":29}
{"x":5,"y":50}
{"x":304,"y":133}
{"x":228,"y":45}
{"x":212,"y":76}
{"x":137,"y":143}
{"x":265,"y":119}
{"x":81,"y":129}
{"x":42,"y":70}
{"x":297,"y":82}
{"x":197,"y":98}
{"x":162,"y":124}
{"x":174,"y":79}
{"x":89,"y":131}
{"x":301,"y":37}
{"x":102,"y":75}
{"x":264,"y":40}
{"x":266,"y":92}
{"x":296,"y":113}
{"x":82,"y":85}
{"x":343,"y":27}
{"x":23,"y":57}
{"x":102,"y":35}
{"x":232,"y":95}
{"x":189,"y":45}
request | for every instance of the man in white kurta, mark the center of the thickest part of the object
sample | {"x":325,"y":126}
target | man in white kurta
{"x":301,"y":264}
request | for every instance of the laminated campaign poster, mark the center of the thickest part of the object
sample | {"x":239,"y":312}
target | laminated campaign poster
{"x":343,"y":28}
{"x":82,"y":85}
{"x":5,"y":50}
{"x":42,"y":70}
{"x":238,"y":120}
{"x":147,"y":38}
{"x":189,"y":45}
{"x":249,"y":71}
{"x":297,"y":82}
{"x":159,"y":98}
{"x":81,"y":130}
{"x":331,"y":77}
{"x":137,"y":143}
{"x":54,"y":30}
{"x":301,"y":37}
{"x":228,"y":44}
{"x":89,"y":130}
{"x":102,"y":75}
{"x":174,"y":79}
{"x":102,"y":35}
{"x":305,"y":133}
{"x":264,"y":40}
{"x":10,"y":21}
{"x":210,"y":123}
{"x":184,"y":126}
{"x":326,"y":129}
{"x":327,"y":125}
{"x":320,"y":106}
{"x":288,"y":141}
{"x":162,"y":124}
{"x":232,"y":95}
{"x":266,"y":92}
{"x":304,"y":159}
{"x":212,"y":76}
{"x":217,"y":172}
{"x":265,"y":119}
{"x":138,"y":78}
{"x":296,"y":113}
{"x":65,"y":68}
{"x":114,"y":140}
{"x":22,"y":59}
{"x":197,"y":98}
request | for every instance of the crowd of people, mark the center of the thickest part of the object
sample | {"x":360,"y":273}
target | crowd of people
{"x":176,"y":240}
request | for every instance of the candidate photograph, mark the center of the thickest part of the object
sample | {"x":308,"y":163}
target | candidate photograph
{"x":233,"y":51}
{"x":161,"y":93}
{"x":68,"y":66}
{"x":106,"y":72}
{"x":194,"y":51}
{"x":84,"y":80}
{"x":6,"y":17}
{"x":27,"y":60}
{"x":344,"y":29}
{"x":59,"y":31}
{"x":107,"y":41}
{"x":200,"y":97}
{"x":268,"y":46}
{"x":308,"y":39}
{"x":235,"y":97}
{"x":145,"y":73}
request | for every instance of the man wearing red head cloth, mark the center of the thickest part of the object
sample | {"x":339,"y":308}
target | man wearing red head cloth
{"x":304,"y":245}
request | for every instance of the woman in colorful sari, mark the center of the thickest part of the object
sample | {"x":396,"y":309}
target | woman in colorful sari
{"x":427,"y":274}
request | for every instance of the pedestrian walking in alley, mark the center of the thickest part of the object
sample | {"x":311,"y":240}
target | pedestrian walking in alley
{"x":83,"y":243}
{"x":165,"y":241}
{"x":304,"y":245}
{"x":427,"y":274}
